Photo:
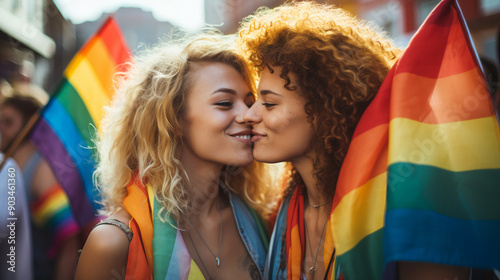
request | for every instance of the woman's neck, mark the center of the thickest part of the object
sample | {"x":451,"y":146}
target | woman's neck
{"x":305,"y":167}
{"x":203,"y":186}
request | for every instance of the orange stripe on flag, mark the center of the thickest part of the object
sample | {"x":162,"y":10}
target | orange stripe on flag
{"x":102,"y":63}
{"x":368,"y":150}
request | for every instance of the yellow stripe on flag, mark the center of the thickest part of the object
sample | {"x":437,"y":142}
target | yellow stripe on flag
{"x":83,"y":78}
{"x":359,"y":213}
{"x":102,"y":64}
{"x":458,"y":146}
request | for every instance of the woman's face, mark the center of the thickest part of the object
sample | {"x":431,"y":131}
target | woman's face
{"x":213,"y":126}
{"x":280,"y":128}
{"x":11,"y":122}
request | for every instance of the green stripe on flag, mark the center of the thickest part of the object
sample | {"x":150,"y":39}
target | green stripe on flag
{"x":72,"y":102}
{"x":468,"y":195}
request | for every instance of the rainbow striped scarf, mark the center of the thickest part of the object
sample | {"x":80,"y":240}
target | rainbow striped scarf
{"x":295,"y":238}
{"x":157,"y":248}
{"x":421,"y":178}
{"x":286,"y":254}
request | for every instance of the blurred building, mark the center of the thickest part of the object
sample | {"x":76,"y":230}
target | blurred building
{"x":402,"y":18}
{"x":227,"y":14}
{"x":36,"y":42}
{"x":140,"y":28}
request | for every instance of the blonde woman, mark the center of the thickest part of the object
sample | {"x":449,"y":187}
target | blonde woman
{"x":175,"y":169}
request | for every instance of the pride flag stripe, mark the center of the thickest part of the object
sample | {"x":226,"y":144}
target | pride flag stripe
{"x":117,"y":48}
{"x":74,"y":105}
{"x":458,"y":146}
{"x":95,"y":97}
{"x":372,"y":263}
{"x":443,"y":31}
{"x":103,"y":65}
{"x":446,"y":191}
{"x":418,"y":223}
{"x":364,"y":224}
{"x":365,"y":150}
{"x":459,"y":104}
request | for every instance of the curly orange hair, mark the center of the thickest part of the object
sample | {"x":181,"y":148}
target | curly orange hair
{"x":339,"y":63}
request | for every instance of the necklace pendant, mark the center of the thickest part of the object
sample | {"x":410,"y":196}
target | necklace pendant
{"x":218,"y":261}
{"x":312,"y":270}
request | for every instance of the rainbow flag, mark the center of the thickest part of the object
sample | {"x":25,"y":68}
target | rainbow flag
{"x":421,"y":180}
{"x":67,"y":124}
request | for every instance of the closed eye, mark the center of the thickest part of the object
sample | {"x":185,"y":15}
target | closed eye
{"x":268,"y":105}
{"x":225,"y":104}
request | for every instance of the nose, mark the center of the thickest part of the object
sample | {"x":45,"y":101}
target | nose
{"x":252,"y":115}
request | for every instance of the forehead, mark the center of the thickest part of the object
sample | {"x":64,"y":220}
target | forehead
{"x":211,"y":75}
{"x":6,"y":109}
{"x":271,"y":80}
{"x":272,"y":76}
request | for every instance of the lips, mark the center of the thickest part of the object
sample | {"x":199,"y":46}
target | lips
{"x":256,"y":136}
{"x":244,"y":136}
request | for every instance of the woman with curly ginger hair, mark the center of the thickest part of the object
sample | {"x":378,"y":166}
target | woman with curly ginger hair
{"x":175,"y":168}
{"x":319,"y":69}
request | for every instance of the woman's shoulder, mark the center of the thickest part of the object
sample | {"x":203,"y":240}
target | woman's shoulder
{"x":112,"y":234}
{"x":106,"y":249}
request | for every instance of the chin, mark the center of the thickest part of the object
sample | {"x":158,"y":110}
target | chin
{"x":265,"y":157}
{"x":241,"y":160}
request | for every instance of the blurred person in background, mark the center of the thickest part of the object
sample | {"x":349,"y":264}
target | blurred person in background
{"x":55,"y":233}
{"x":16,"y":260}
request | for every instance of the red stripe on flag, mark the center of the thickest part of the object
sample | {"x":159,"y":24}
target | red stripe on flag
{"x":112,"y":37}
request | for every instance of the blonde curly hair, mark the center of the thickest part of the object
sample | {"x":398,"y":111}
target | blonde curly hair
{"x":339,"y":63}
{"x":141,"y":132}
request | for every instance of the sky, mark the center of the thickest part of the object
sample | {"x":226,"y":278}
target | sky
{"x":188,"y":14}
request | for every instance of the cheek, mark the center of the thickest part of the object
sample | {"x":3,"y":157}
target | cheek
{"x":285,"y":124}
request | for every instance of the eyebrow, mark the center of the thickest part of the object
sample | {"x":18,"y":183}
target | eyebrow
{"x":230,"y":91}
{"x":266,"y":92}
{"x":226,"y":90}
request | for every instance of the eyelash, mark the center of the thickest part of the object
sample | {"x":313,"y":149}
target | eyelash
{"x":224,"y":104}
{"x":268,"y":105}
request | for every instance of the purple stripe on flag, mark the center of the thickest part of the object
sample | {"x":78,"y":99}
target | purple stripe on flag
{"x":65,"y":171}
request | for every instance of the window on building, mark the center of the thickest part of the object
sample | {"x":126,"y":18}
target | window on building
{"x":424,"y":8}
{"x":490,"y":6}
